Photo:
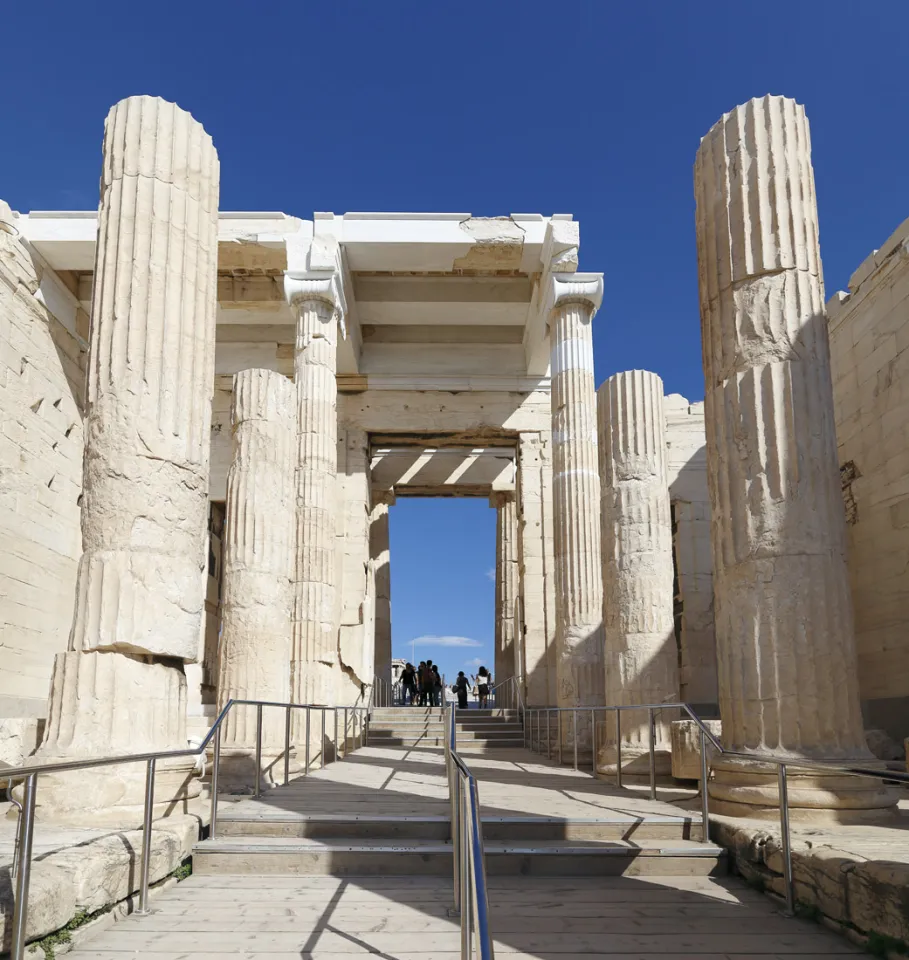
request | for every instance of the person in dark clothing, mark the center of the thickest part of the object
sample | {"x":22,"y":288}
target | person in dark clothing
{"x":409,"y":684}
{"x":427,"y":681}
{"x":460,"y":688}
{"x":436,"y":687}
{"x":420,"y":669}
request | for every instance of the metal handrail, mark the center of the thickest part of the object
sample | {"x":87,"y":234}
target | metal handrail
{"x":471,"y":899}
{"x":30,"y":773}
{"x":528,"y":714}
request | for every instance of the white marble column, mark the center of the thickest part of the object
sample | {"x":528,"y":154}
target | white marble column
{"x":784,"y":626}
{"x":258,"y":569}
{"x":575,"y":299}
{"x":140,"y":593}
{"x":641,"y":655}
{"x":314,"y":653}
{"x":506,"y":583}
{"x":379,"y":548}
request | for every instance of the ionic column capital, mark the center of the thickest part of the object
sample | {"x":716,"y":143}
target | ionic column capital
{"x":586,"y":288}
{"x":326,"y":286}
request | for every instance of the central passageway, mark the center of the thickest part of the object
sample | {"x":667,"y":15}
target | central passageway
{"x":353,"y":860}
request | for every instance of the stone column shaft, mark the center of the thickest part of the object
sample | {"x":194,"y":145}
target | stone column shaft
{"x":258,"y":567}
{"x":314,"y":656}
{"x":150,"y":374}
{"x":785,"y":644}
{"x":576,"y":499}
{"x":506,"y":582}
{"x":641,"y":655}
{"x":381,"y":558}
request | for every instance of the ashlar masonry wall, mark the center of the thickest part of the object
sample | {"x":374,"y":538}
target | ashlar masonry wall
{"x":869,"y":337}
{"x":42,"y":372}
{"x":686,"y":465}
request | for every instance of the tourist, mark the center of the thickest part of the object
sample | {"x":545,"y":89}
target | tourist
{"x":426,"y":684}
{"x":409,"y":685}
{"x":460,"y":688}
{"x":482,"y":680}
{"x":436,"y":687}
{"x":419,"y":681}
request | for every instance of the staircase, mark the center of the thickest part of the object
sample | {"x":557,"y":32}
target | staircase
{"x":354,"y":859}
{"x":481,"y":730}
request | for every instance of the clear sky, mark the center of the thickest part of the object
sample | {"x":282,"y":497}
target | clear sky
{"x":490,"y":107}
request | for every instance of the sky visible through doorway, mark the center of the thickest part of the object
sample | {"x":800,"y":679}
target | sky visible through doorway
{"x":593,"y":108}
{"x":443,"y":582}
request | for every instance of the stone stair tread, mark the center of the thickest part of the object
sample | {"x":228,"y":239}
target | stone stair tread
{"x":656,"y":848}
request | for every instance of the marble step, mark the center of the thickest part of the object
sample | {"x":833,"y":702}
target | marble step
{"x":279,"y":823}
{"x":562,"y":858}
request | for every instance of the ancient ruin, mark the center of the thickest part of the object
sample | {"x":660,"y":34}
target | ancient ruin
{"x":228,"y":406}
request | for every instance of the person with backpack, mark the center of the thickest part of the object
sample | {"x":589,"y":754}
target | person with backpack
{"x":460,"y":688}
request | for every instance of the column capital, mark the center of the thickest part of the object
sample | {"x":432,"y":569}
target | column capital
{"x":575,"y":288}
{"x":386,"y":497}
{"x":325,"y":285}
{"x":499,"y":498}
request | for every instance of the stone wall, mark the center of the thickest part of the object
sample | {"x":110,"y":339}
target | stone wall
{"x":42,"y":372}
{"x":869,"y":334}
{"x":686,"y":463}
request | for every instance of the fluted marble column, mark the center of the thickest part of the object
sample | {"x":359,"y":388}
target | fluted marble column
{"x":784,"y":627}
{"x":314,"y":653}
{"x":641,"y":655}
{"x":575,"y":299}
{"x":381,"y":557}
{"x":259,"y":547}
{"x":505,"y":665}
{"x":139,"y":597}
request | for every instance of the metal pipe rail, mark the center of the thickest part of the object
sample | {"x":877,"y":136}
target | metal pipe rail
{"x":534,"y":715}
{"x":506,"y":695}
{"x":356,"y":719}
{"x":471,"y":900}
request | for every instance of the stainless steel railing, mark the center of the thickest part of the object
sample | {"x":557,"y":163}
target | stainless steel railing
{"x":506,"y":695}
{"x":471,"y":900}
{"x":533,"y":716}
{"x":355,"y":720}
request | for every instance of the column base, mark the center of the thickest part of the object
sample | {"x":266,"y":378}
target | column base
{"x":635,"y":760}
{"x":741,"y":788}
{"x":237,"y":769}
{"x":113,"y":796}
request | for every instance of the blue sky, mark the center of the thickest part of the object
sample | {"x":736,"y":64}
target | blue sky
{"x":594,"y":108}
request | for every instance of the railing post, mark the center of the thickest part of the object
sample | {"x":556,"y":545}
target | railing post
{"x":334,"y":753}
{"x":322,"y":761}
{"x":258,"y":750}
{"x":652,"y":755}
{"x":306,"y":752}
{"x":548,"y":736}
{"x":574,"y":735}
{"x":618,"y":748}
{"x":26,"y":833}
{"x":286,"y":745}
{"x":215,"y":767}
{"x":593,"y":739}
{"x":559,"y":733}
{"x":466,"y":868}
{"x":366,"y":729}
{"x":480,"y":903}
{"x":705,"y":805}
{"x":454,"y":788}
{"x":784,"y":831}
{"x":146,"y":836}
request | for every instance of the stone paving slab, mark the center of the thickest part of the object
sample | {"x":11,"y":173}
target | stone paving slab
{"x":315,"y":918}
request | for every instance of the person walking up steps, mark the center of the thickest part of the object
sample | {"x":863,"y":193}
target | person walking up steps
{"x":482,"y":679}
{"x":409,"y":685}
{"x":460,"y":688}
{"x":427,"y":681}
{"x":436,"y":686}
